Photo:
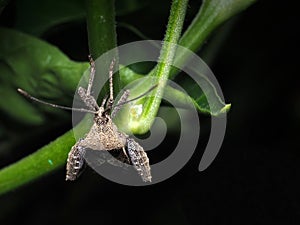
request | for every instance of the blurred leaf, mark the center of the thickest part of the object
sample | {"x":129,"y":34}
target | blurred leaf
{"x":124,"y":7}
{"x":135,"y":30}
{"x":3,"y":3}
{"x":36,"y":17}
{"x":37,"y":67}
{"x":211,"y":14}
{"x":216,"y":41}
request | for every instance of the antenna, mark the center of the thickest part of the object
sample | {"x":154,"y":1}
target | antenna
{"x":130,"y":100}
{"x":53,"y":105}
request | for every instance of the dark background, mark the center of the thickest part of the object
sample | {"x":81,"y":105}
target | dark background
{"x":255,"y":177}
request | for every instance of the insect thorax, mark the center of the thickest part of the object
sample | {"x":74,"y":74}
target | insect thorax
{"x":104,"y":134}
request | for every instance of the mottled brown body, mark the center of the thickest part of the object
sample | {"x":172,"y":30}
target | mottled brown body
{"x":104,"y":135}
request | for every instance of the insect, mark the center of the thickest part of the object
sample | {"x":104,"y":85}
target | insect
{"x":104,"y":134}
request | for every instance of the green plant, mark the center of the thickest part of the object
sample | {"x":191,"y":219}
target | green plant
{"x":44,"y":71}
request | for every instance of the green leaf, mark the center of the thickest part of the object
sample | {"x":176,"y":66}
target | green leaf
{"x":211,"y":14}
{"x":3,"y":3}
{"x":135,"y":30}
{"x":124,"y":7}
{"x":194,"y":96}
{"x":36,"y":17}
{"x":37,"y":67}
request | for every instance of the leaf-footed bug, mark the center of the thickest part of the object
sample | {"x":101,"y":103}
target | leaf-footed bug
{"x":104,"y":134}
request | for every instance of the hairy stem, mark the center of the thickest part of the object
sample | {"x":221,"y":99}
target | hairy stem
{"x":167,"y":54}
{"x":45,"y":160}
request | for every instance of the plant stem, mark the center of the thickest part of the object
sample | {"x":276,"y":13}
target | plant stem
{"x":211,"y":14}
{"x":167,"y":54}
{"x":41,"y":162}
{"x":100,"y":26}
{"x":101,"y":29}
{"x":45,"y":160}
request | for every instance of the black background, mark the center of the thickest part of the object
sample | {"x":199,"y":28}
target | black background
{"x":253,"y":180}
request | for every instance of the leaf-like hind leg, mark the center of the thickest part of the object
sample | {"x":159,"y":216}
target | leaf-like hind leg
{"x":75,"y":161}
{"x":139,"y":159}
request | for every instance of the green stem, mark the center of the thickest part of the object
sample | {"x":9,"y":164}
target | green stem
{"x":211,"y":14}
{"x":101,"y":29}
{"x":100,"y":26}
{"x":45,"y":160}
{"x":41,"y":162}
{"x":167,"y":54}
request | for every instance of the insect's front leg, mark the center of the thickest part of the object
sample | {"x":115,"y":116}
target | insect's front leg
{"x":119,"y":104}
{"x":89,"y":100}
{"x":139,"y":159}
{"x":75,"y":161}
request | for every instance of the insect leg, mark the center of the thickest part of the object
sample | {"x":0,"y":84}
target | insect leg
{"x":119,"y":104}
{"x":92,"y":75}
{"x":75,"y":161}
{"x":89,"y":100}
{"x":111,"y":72}
{"x":139,"y":159}
{"x":85,"y":94}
